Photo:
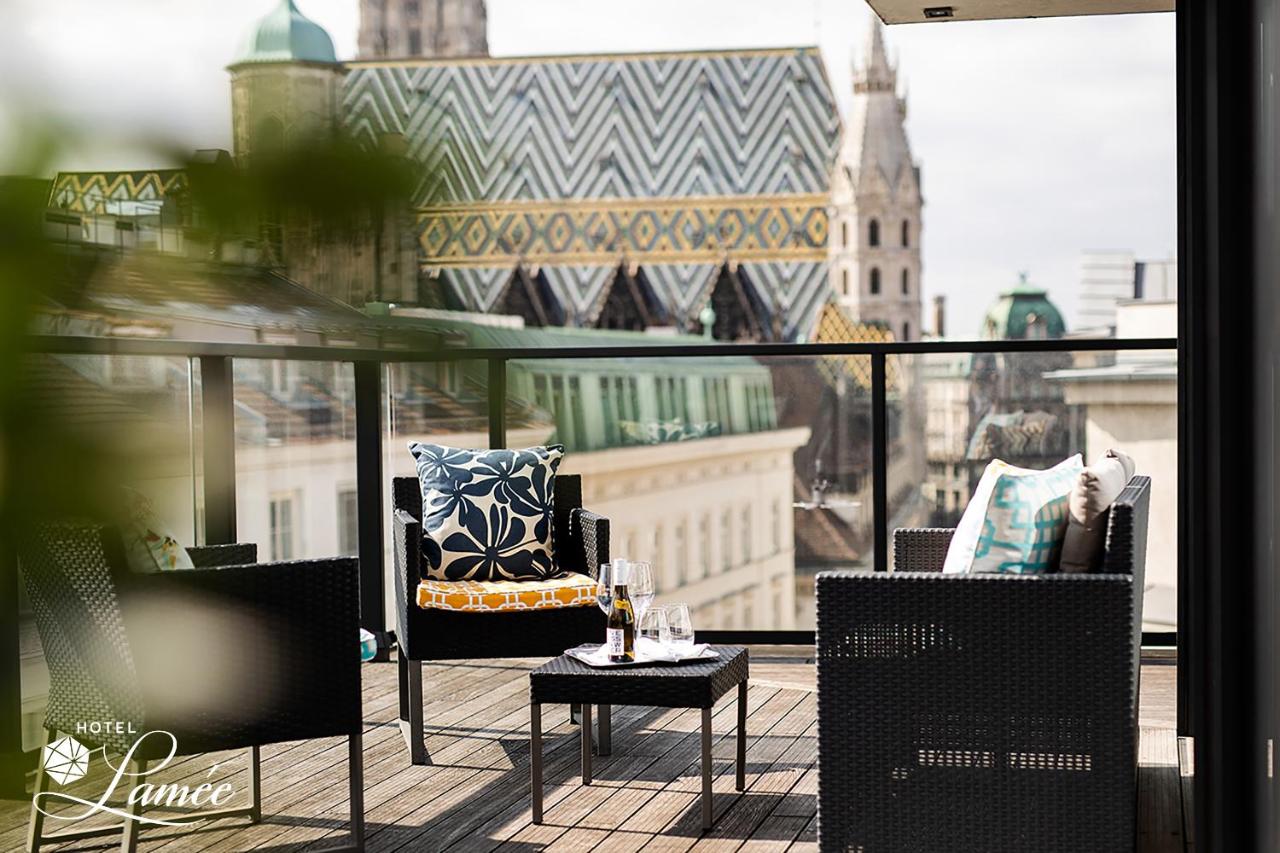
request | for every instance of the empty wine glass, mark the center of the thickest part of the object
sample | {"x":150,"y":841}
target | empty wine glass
{"x":604,"y":587}
{"x":640,"y":587}
{"x":679,"y":626}
{"x":653,"y":625}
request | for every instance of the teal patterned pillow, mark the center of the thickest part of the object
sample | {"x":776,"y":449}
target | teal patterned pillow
{"x":1016,"y":521}
{"x":487,"y":514}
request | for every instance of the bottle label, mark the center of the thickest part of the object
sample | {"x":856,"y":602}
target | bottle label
{"x":616,"y":641}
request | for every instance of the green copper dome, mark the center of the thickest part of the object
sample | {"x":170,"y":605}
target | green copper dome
{"x":1023,"y":312}
{"x":286,"y":35}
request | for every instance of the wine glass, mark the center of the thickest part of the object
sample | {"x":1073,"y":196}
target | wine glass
{"x":604,"y":587}
{"x":640,"y":587}
{"x":653,"y":625}
{"x":679,"y":626}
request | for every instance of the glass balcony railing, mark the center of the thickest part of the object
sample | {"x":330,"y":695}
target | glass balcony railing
{"x":739,"y":470}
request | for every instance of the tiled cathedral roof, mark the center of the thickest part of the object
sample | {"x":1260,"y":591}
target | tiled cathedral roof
{"x":576,"y":163}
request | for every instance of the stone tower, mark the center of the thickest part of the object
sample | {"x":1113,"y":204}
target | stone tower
{"x":285,"y":83}
{"x":435,"y":28}
{"x":286,"y":86}
{"x":876,"y":202}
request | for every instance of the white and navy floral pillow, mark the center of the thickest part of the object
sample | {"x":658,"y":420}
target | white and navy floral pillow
{"x":487,"y":514}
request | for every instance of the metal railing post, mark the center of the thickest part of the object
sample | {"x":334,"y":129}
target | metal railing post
{"x":879,"y":462}
{"x":497,"y":402}
{"x":13,"y":764}
{"x":218,"y":432}
{"x":369,"y":503}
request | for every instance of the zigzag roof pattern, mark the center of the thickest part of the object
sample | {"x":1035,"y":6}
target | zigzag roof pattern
{"x":724,"y":123}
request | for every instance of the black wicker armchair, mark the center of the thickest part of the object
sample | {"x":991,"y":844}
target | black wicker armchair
{"x":230,"y":655}
{"x":581,"y":545}
{"x":987,"y":712}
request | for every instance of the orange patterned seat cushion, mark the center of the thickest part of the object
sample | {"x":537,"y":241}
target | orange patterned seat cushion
{"x":571,"y":590}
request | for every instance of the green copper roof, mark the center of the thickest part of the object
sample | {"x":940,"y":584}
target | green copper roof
{"x":1023,"y":312}
{"x":286,"y":35}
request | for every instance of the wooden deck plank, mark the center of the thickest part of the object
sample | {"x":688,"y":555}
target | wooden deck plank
{"x":475,"y":797}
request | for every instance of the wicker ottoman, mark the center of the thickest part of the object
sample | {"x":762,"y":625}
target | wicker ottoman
{"x":691,"y":685}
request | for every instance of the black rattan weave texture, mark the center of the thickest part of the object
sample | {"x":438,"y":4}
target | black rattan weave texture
{"x":298,"y":679}
{"x":688,"y":685}
{"x":992,"y":713}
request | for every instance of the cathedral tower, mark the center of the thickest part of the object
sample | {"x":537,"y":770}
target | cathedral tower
{"x":876,"y":203}
{"x":434,"y":28}
{"x":285,"y":83}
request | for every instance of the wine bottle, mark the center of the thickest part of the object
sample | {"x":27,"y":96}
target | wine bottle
{"x":620,"y":630}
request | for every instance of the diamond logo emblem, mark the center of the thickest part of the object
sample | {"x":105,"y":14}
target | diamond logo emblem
{"x":66,"y":760}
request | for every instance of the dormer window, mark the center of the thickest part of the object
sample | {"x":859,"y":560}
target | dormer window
{"x":906,"y":233}
{"x":873,"y":233}
{"x":875,"y":281}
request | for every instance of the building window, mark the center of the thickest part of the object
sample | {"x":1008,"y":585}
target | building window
{"x":875,"y":281}
{"x":844,"y":282}
{"x":704,"y":546}
{"x":281,"y":517}
{"x":681,"y":558}
{"x":348,"y":523}
{"x":659,"y":545}
{"x":778,"y":509}
{"x":726,"y":541}
{"x":906,"y":331}
{"x":415,"y":42}
{"x":746,"y":533}
{"x":906,"y":283}
{"x":844,"y":234}
{"x":906,"y":233}
{"x":873,"y":233}
{"x":411,"y":8}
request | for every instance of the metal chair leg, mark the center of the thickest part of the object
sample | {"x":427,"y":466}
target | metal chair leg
{"x":586,"y":744}
{"x":402,"y":670}
{"x":255,"y":784}
{"x":411,"y":703}
{"x":742,"y":736}
{"x":605,"y":726}
{"x":706,"y":768}
{"x":355,"y":770}
{"x":35,"y":829}
{"x":535,"y":759}
{"x":129,"y":841}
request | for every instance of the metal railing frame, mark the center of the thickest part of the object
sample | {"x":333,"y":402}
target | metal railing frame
{"x":369,"y":366}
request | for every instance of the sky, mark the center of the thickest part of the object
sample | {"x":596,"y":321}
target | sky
{"x":1037,"y":139}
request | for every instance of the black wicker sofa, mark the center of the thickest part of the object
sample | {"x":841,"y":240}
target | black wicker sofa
{"x":985,"y":712}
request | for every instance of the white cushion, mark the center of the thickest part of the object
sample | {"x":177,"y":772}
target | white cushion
{"x":148,"y":544}
{"x":1095,"y":489}
{"x":1016,"y":520}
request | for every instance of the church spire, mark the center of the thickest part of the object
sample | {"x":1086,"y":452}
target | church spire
{"x":875,"y":74}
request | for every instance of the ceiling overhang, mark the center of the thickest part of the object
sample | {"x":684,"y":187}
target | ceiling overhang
{"x":915,"y":11}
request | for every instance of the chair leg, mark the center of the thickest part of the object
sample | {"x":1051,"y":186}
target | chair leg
{"x":402,"y":667}
{"x":255,"y":784}
{"x":129,"y":841}
{"x":411,"y":707}
{"x":35,"y":829}
{"x":605,"y":727}
{"x":355,"y":771}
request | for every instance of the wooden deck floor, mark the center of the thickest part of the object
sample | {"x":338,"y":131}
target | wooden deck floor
{"x":476,"y":795}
